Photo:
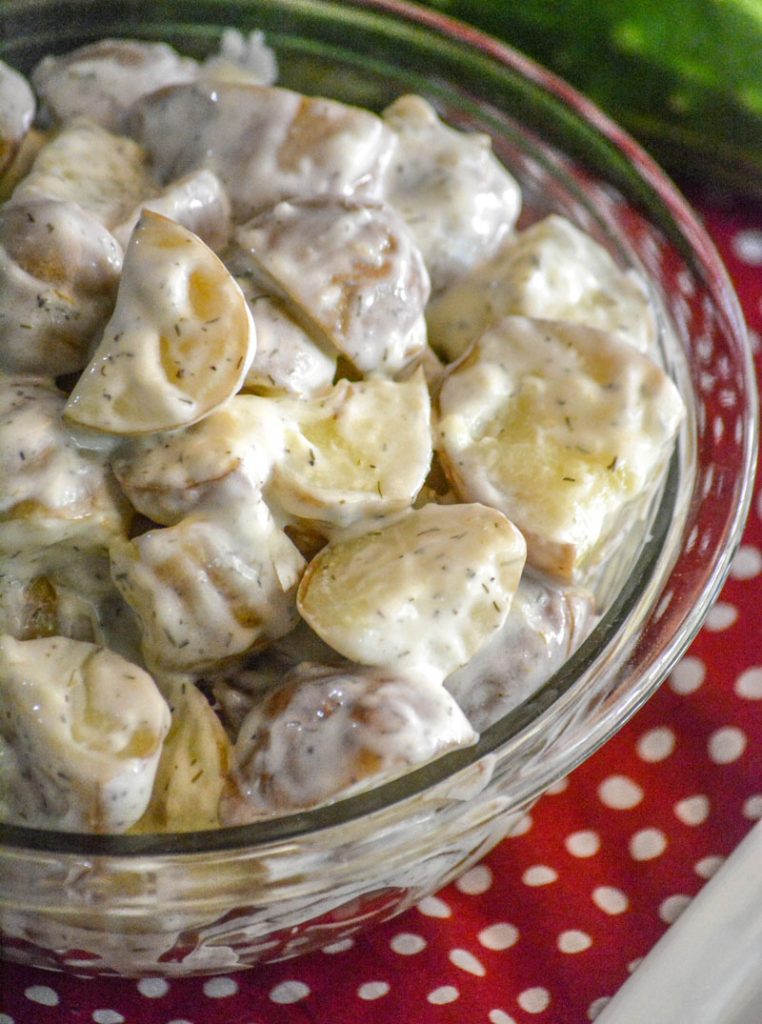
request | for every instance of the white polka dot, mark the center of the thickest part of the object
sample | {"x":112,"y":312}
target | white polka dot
{"x":558,"y":787}
{"x":179,"y":1020}
{"x":722,"y":616}
{"x":633,"y":965}
{"x":522,"y":826}
{"x":647,"y":844}
{"x":373,"y":990}
{"x":708,"y":866}
{"x":726,"y":745}
{"x":693,"y":810}
{"x":619,"y":793}
{"x":407,"y":944}
{"x":583,"y":844}
{"x":153,"y":988}
{"x":610,"y":900}
{"x":752,"y":807}
{"x":476,"y":881}
{"x":595,"y":1009}
{"x":5,"y":1019}
{"x":42,"y":994}
{"x":687,"y":675}
{"x":498,"y":936}
{"x":747,"y":563}
{"x":749,"y":684}
{"x":289,"y":992}
{"x":539,"y":874}
{"x":500,"y":1017}
{"x":107,"y":1017}
{"x":466,"y":962}
{"x":656,"y":744}
{"x":574,"y":941}
{"x":339,"y":947}
{"x":220,"y":988}
{"x":432,"y":906}
{"x":672,"y":907}
{"x":534,"y":1000}
{"x":747,"y":247}
{"x":442,"y":995}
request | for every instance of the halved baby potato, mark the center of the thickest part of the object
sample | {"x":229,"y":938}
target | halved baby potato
{"x":195,"y":759}
{"x":53,"y":491}
{"x":178,"y":344}
{"x":102,"y":80}
{"x":197,"y":201}
{"x":552,"y":271}
{"x":423,"y":592}
{"x":363,"y":450}
{"x":546,"y":624}
{"x":210,"y":588}
{"x":351,"y":271}
{"x":59,"y":273}
{"x":458,"y":200}
{"x":17,"y":110}
{"x":107,"y":174}
{"x":562,"y":427}
{"x":167,"y":476}
{"x":82,"y":731}
{"x":265,"y":143}
{"x":325,"y":733}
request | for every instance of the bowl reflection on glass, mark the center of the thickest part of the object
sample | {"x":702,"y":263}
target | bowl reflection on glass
{"x":213,"y":901}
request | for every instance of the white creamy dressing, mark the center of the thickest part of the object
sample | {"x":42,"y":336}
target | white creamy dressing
{"x":241,"y":497}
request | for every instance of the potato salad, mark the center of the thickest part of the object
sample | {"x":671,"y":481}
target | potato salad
{"x":310,"y":446}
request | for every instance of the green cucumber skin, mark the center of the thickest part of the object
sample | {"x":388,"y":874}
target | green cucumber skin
{"x":683,"y":76}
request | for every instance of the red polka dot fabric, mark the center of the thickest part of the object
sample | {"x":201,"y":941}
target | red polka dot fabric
{"x":548,"y":927}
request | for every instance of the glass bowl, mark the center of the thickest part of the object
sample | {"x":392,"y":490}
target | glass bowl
{"x":214,"y":901}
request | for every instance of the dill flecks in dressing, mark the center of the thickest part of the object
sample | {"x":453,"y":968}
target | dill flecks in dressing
{"x":286,"y":400}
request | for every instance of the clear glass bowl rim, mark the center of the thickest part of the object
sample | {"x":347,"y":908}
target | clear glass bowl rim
{"x":661,"y":191}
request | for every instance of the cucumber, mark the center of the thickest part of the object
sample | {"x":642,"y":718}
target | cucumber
{"x":684,"y":77}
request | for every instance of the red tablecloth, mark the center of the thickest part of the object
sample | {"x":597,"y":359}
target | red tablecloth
{"x":549,"y":925}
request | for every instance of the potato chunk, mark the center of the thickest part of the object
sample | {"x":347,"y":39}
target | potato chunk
{"x":82,"y":731}
{"x":361,"y":451}
{"x":209,"y":588}
{"x":59,"y":272}
{"x":552,"y":271}
{"x":167,"y":476}
{"x":353,"y":273}
{"x":545,"y":625}
{"x":53,"y":491}
{"x":17,"y":110}
{"x":194,"y":763}
{"x":560,"y":426}
{"x":457,"y":199}
{"x":178,"y":344}
{"x":264,"y":143}
{"x":83,"y":163}
{"x":425,"y":591}
{"x":325,"y":733}
{"x":198,"y":202}
{"x":102,"y":80}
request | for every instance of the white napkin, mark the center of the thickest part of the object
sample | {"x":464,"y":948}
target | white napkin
{"x":707,"y":969}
